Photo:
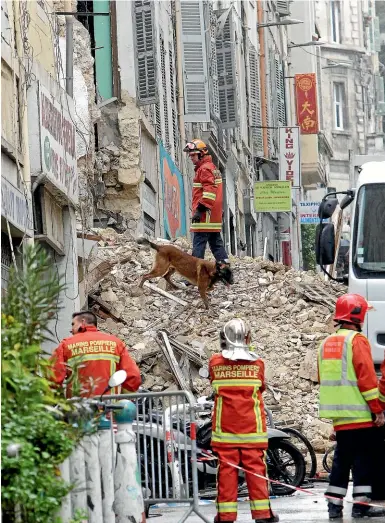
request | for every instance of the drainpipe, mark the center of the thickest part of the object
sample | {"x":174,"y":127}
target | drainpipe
{"x":69,"y":49}
{"x":262,"y":67}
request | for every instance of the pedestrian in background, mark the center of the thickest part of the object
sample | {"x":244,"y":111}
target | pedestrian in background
{"x":349,"y":396}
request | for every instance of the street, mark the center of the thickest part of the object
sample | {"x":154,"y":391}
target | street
{"x":301,"y":508}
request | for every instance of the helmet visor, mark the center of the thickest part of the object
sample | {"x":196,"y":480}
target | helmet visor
{"x":190,"y":147}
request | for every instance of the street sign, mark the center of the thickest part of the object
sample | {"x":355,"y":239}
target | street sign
{"x":272,"y":196}
{"x":309,"y":212}
{"x":289,"y":158}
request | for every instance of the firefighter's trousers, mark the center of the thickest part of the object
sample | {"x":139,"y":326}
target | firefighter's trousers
{"x":252,"y":459}
{"x":354,"y":452}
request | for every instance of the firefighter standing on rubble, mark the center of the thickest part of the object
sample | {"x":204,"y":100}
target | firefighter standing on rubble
{"x":207,"y":202}
{"x":349,"y":396}
{"x":239,"y":434}
{"x":89,"y":357}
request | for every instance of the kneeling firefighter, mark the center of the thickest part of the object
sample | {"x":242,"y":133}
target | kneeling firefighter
{"x":239,"y":434}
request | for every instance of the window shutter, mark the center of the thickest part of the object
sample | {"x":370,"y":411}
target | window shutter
{"x":283,"y":7}
{"x":226,"y":75}
{"x":280,"y":90}
{"x":166,"y":137}
{"x":255,"y":102}
{"x":195,"y":71}
{"x":145,"y":51}
{"x":214,"y":85}
{"x":174,"y":112}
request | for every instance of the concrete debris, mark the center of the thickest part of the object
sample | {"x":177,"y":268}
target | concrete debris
{"x":287,"y":324}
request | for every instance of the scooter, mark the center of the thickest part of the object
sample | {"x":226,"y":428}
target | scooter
{"x":165,"y":431}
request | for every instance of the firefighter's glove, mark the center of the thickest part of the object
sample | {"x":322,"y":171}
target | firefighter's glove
{"x":197,"y":216}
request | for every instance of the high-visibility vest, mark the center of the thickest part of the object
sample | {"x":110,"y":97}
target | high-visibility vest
{"x":340,"y":397}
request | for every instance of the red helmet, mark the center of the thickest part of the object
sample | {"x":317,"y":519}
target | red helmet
{"x":351,"y":308}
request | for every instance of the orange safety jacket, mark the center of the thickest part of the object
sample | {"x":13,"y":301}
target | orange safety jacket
{"x":239,"y":415}
{"x":207,"y":190}
{"x":381,"y":385}
{"x":89,"y":358}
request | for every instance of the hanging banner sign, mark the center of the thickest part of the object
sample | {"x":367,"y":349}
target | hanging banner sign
{"x":174,"y":217}
{"x":308,"y":212}
{"x":289,"y":158}
{"x":306,"y":100}
{"x":272,"y":196}
{"x":58,"y":143}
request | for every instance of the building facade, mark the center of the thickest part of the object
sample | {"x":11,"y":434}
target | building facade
{"x":169,"y":71}
{"x":39,"y":153}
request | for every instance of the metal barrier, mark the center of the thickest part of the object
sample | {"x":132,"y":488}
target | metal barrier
{"x":151,"y":458}
{"x":165,"y":429}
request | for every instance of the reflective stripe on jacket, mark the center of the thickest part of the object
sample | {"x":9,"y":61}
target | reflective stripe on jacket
{"x":88,"y":359}
{"x":239,"y":415}
{"x":207,"y":190}
{"x":340,"y":396}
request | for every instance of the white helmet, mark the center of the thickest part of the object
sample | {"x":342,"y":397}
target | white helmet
{"x":235,"y":339}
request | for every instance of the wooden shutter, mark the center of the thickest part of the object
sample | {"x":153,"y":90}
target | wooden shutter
{"x":214,"y":85}
{"x":145,"y":51}
{"x":174,"y":109}
{"x":255,"y":102}
{"x":195,"y":71}
{"x":280,"y":90}
{"x":166,"y":137}
{"x":226,"y":75}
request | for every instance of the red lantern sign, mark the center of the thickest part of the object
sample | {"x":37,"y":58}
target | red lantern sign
{"x":306,"y":98}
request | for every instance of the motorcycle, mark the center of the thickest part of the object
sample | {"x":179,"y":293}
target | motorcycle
{"x":285,"y":463}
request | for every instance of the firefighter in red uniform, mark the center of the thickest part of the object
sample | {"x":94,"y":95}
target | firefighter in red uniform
{"x":90,"y":357}
{"x":239,"y":425}
{"x":207,"y":203}
{"x":349,"y":396}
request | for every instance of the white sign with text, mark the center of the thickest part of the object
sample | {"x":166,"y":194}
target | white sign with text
{"x":58,"y":143}
{"x":289,"y":156}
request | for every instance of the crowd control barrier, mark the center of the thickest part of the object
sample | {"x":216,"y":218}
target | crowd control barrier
{"x":148,"y":455}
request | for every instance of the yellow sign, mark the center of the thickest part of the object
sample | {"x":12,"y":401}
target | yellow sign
{"x":272,"y":196}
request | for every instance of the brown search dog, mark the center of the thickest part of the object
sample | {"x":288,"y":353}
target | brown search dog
{"x":204,"y":274}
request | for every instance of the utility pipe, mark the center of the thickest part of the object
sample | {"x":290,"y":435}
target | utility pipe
{"x":262,"y":67}
{"x":69,"y":49}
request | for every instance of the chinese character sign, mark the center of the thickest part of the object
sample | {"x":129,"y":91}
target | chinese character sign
{"x":289,"y":160}
{"x":306,"y":97}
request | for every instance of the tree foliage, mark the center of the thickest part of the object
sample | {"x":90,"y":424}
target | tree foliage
{"x":308,"y":246}
{"x":31,"y":484}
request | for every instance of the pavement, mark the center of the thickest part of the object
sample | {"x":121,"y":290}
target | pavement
{"x":300,"y":507}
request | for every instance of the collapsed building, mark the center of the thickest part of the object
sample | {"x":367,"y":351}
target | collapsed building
{"x":171,"y":335}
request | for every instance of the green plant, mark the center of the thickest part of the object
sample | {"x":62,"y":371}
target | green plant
{"x":31,"y":483}
{"x":308,"y":246}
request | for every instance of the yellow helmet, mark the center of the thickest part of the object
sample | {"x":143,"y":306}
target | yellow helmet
{"x":196,"y":146}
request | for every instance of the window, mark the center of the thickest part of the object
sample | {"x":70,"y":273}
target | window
{"x":100,"y":27}
{"x":335,"y":7}
{"x":145,"y":51}
{"x":226,"y":76}
{"x":369,"y":226}
{"x":339,"y":106}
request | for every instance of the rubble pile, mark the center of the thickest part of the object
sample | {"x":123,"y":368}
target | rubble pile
{"x":289,"y":313}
